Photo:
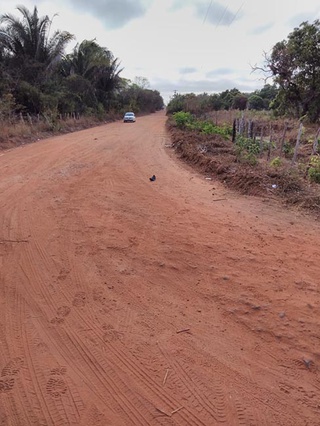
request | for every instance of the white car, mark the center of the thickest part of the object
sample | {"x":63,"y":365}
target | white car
{"x":129,"y":117}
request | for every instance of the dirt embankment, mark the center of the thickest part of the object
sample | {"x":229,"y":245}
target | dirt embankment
{"x":125,"y":301}
{"x":216,"y":157}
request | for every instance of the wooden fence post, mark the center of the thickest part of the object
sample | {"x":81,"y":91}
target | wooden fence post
{"x":249,"y":128}
{"x":283,"y":137}
{"x":241,"y":125}
{"x":316,"y":143}
{"x":270,"y":143}
{"x":296,"y":149}
{"x":234,"y":130}
{"x":261,"y":140}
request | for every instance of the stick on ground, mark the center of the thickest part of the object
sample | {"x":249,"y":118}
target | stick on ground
{"x":165,"y":377}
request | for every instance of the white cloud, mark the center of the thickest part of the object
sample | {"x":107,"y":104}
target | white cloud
{"x":212,"y":44}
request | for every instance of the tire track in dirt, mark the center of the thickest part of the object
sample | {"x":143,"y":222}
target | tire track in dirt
{"x":33,"y":253}
{"x":60,"y":400}
{"x":109,"y":382}
{"x":55,"y":386}
{"x":78,"y":352}
{"x":234,"y":384}
{"x":26,"y":401}
{"x":213,"y":405}
{"x":56,"y":383}
{"x":132,"y":368}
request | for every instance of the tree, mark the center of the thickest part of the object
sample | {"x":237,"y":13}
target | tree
{"x":216,"y":102}
{"x":227,"y":97}
{"x":268,"y":92}
{"x":142,"y":82}
{"x":295,"y":66}
{"x":26,"y":43}
{"x":240,"y":102}
{"x":97,"y":65}
{"x":256,"y":102}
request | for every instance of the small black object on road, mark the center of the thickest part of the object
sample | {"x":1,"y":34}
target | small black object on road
{"x":153,"y":178}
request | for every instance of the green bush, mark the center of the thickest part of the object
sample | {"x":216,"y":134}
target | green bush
{"x":276,"y":162}
{"x":287,"y":149}
{"x":314,"y":170}
{"x":247,"y":144}
{"x":209,"y":129}
{"x":183,"y":119}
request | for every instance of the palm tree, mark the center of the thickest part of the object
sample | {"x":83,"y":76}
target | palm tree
{"x":29,"y":39}
{"x":87,"y":60}
{"x":97,"y":65}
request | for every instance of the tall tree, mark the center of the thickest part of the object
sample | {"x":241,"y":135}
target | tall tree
{"x":295,"y":66}
{"x":97,"y":65}
{"x":28,"y":39}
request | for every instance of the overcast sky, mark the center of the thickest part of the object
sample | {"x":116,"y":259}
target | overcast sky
{"x":185,"y":45}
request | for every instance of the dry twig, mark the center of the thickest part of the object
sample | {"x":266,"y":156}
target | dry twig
{"x":175,"y":411}
{"x":163,"y":412}
{"x":184,"y":330}
{"x":165,"y":377}
{"x":13,"y":241}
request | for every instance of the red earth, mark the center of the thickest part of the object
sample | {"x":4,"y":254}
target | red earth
{"x":130,"y":302}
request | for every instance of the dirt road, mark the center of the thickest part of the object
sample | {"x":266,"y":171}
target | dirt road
{"x":130,"y":302}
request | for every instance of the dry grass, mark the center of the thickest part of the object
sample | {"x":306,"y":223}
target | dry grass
{"x":20,"y":132}
{"x":213,"y":155}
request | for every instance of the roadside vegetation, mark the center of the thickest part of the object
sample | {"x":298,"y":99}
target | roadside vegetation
{"x":260,"y":164}
{"x":263,"y":143}
{"x":43,"y":89}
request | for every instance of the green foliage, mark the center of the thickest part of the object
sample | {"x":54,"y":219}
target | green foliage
{"x":314,"y":169}
{"x":276,"y":162}
{"x":7,"y":106}
{"x":268,"y":92}
{"x":228,"y":99}
{"x":247,"y":150}
{"x":247,"y":144}
{"x":295,"y":65}
{"x":185,"y":120}
{"x":248,"y":158}
{"x":240,"y":102}
{"x":176,"y":104}
{"x":287,"y":149}
{"x":27,"y":40}
{"x":41,"y":79}
{"x":256,"y":102}
{"x":208,"y":128}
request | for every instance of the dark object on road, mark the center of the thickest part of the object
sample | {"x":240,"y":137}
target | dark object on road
{"x":153,"y":178}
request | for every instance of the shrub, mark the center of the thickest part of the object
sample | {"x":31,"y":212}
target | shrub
{"x":314,"y":169}
{"x":276,"y":162}
{"x":287,"y":149}
{"x":182,"y":119}
{"x":247,"y":144}
{"x":185,"y":120}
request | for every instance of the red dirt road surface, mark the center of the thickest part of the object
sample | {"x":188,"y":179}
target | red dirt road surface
{"x":130,"y":302}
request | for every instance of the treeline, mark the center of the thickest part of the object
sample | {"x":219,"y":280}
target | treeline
{"x":229,"y":99}
{"x":38,"y":78}
{"x":294,"y":69}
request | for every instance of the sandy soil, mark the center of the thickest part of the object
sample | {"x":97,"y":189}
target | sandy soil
{"x":130,"y":302}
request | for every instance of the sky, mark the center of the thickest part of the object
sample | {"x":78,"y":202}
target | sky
{"x":180,"y":45}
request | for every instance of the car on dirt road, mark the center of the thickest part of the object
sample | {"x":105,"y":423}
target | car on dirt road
{"x":129,"y":117}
